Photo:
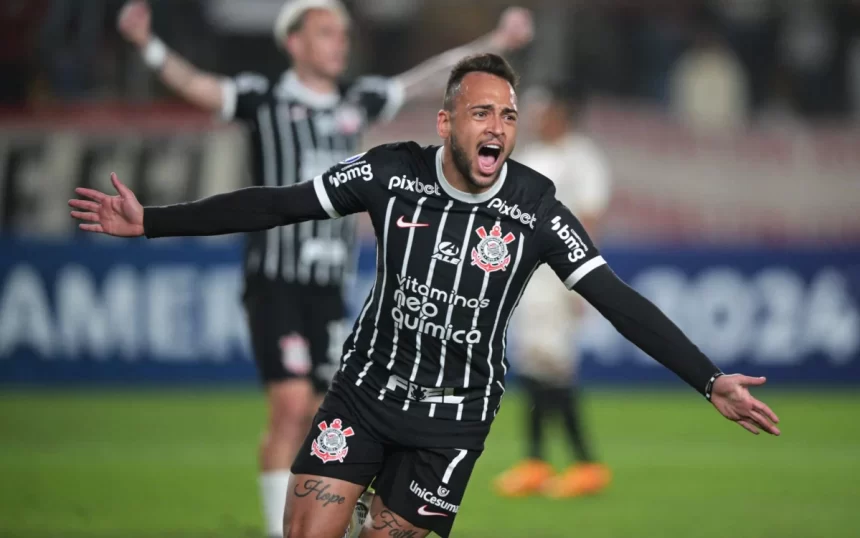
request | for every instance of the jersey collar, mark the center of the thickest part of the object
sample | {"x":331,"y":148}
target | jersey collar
{"x":290,"y":87}
{"x":468,"y":197}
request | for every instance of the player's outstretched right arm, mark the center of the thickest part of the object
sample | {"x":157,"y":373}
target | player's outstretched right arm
{"x":199,"y":88}
{"x":244,"y":210}
{"x":350,"y":186}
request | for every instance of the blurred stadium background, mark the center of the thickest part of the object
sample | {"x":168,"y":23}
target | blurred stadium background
{"x":129,"y":404}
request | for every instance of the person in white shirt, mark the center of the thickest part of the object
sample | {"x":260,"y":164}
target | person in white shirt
{"x":545,"y":352}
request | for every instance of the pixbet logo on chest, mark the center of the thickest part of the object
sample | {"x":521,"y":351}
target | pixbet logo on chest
{"x":412,"y":185}
{"x":513,"y":211}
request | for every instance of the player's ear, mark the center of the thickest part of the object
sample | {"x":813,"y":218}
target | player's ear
{"x":443,"y":124}
{"x":294,"y":45}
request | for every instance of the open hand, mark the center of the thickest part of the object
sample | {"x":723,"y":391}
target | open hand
{"x":732,"y":398}
{"x":515,"y":29}
{"x":134,"y":22}
{"x":120,"y":215}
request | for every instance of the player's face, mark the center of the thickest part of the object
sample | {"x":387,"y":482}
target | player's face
{"x":482,"y":130}
{"x":322,"y":44}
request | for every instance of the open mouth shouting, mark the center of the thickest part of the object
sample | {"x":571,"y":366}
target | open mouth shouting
{"x":489,"y":157}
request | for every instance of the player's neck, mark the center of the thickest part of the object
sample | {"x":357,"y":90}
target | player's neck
{"x":315,"y":82}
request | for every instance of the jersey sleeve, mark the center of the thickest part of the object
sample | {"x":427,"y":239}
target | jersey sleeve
{"x":351,"y":185}
{"x":379,"y":97}
{"x":565,"y":246}
{"x":240,"y":96}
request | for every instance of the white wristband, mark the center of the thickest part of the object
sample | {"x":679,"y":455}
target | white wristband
{"x":154,"y":53}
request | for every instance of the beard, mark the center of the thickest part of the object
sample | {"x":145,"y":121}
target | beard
{"x":464,"y":166}
{"x":461,"y":161}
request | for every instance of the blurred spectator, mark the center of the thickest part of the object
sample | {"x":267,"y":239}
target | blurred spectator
{"x":848,"y":24}
{"x":709,"y":86}
{"x":749,"y":27}
{"x":854,"y":76}
{"x":389,"y":25}
{"x":807,"y":47}
{"x":244,"y":36}
{"x":795,"y":58}
{"x":19,"y":24}
{"x":70,"y":42}
{"x":662,"y":35}
{"x":779,"y":110}
{"x":549,"y":57}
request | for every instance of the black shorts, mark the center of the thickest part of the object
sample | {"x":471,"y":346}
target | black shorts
{"x":297,"y":330}
{"x":354,"y":438}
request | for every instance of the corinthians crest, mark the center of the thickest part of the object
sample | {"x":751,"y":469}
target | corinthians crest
{"x":491,"y":252}
{"x":330,"y":444}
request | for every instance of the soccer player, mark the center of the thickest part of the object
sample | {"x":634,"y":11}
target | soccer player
{"x":547,"y":317}
{"x":300,"y":124}
{"x":460,"y":230}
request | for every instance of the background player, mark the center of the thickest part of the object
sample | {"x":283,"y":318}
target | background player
{"x":420,"y":434}
{"x":301,"y":124}
{"x":547,"y":317}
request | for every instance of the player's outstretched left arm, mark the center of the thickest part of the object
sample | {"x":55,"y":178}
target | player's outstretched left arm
{"x":514,"y":31}
{"x":641,"y":322}
{"x":244,"y":210}
{"x":567,"y":248}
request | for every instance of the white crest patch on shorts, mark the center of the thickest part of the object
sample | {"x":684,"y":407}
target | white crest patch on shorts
{"x":330,"y":444}
{"x":295,"y":354}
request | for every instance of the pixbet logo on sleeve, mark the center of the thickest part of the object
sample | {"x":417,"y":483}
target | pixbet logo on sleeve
{"x":571,"y":239}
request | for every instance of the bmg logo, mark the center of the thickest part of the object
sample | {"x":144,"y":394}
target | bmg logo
{"x":364,"y":171}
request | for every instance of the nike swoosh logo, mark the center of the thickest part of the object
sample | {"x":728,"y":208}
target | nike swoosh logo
{"x":424,"y":512}
{"x":403,"y":224}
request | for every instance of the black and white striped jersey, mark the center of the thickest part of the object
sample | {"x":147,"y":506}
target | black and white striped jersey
{"x":296,"y":134}
{"x":451,"y":267}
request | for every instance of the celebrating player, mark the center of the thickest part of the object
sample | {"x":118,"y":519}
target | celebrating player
{"x":460,"y":230}
{"x":546,"y":318}
{"x":301,"y":124}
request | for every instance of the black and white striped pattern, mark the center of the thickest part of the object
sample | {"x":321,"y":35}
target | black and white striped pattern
{"x":297,"y":134}
{"x":291,"y":150}
{"x":476,"y":368}
{"x":451,"y":268}
{"x":403,"y":273}
{"x":380,"y":297}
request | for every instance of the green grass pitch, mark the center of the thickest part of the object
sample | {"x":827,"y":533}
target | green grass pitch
{"x":182,"y":463}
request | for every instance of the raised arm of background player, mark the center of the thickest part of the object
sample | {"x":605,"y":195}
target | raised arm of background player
{"x":262,"y":208}
{"x":205,"y":89}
